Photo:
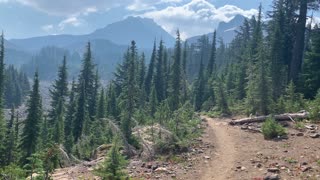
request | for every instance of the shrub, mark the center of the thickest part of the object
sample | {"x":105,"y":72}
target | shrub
{"x":271,"y":129}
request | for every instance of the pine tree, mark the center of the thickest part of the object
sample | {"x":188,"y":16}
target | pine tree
{"x":222,"y":102}
{"x":86,"y":99}
{"x":70,"y":118}
{"x":10,"y":140}
{"x":176,"y":75}
{"x":112,"y":107}
{"x":150,"y":73}
{"x":45,"y":133}
{"x":2,"y":120}
{"x":129,"y":94}
{"x":153,"y":101}
{"x":31,"y":131}
{"x":81,"y":115}
{"x":59,"y":92}
{"x":310,"y":73}
{"x":199,"y":89}
{"x":101,"y":105}
{"x":58,"y":129}
{"x":112,"y":167}
{"x":158,"y":77}
{"x":212,"y":61}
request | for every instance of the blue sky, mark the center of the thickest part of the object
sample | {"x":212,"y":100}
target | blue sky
{"x":28,"y":18}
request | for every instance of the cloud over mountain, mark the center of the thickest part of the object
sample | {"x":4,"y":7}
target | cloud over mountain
{"x":196,"y":17}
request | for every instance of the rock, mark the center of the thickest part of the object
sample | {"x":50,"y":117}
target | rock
{"x":207,"y":157}
{"x":243,"y":168}
{"x":305,"y":168}
{"x":272,"y":177}
{"x":273,"y":170}
{"x":155,"y":167}
{"x":161,"y":170}
{"x":238,"y":167}
{"x":304,"y":163}
{"x":299,"y":134}
{"x":244,"y":127}
{"x":259,"y":165}
{"x":316,"y":135}
{"x":149,"y":166}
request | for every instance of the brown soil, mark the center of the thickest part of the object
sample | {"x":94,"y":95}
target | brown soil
{"x":228,"y":152}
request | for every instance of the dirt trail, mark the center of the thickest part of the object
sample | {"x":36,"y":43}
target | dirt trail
{"x":224,"y":155}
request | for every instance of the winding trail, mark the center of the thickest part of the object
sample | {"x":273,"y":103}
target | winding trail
{"x":224,"y":154}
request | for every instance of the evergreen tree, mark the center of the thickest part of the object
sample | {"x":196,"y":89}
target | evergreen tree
{"x":199,"y":89}
{"x":112,"y":107}
{"x":112,"y":167}
{"x":220,"y":95}
{"x":59,"y":94}
{"x":101,"y":106}
{"x":158,"y":77}
{"x":2,"y":120}
{"x":129,"y":94}
{"x":70,"y":118}
{"x":81,"y":115}
{"x":58,"y":129}
{"x":86,"y":99}
{"x":176,"y":75}
{"x":10,"y":140}
{"x":153,"y":101}
{"x":31,"y":131}
{"x":311,"y":73}
{"x":150,"y":73}
{"x":211,"y":65}
{"x":45,"y":134}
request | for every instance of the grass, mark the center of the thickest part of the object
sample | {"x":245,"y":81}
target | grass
{"x":291,"y":160}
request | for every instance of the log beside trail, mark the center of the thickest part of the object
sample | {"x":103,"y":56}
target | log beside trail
{"x":280,"y":117}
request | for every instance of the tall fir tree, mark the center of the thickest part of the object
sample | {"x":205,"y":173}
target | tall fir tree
{"x":175,"y":78}
{"x":70,"y":118}
{"x":129,"y":94}
{"x":212,"y":61}
{"x":2,"y":120}
{"x":59,"y":92}
{"x":158,"y":78}
{"x":31,"y":131}
{"x":101,"y":105}
{"x":10,"y":140}
{"x":150,"y":73}
{"x":199,"y":89}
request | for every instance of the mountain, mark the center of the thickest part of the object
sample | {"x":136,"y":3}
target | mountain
{"x":225,"y":30}
{"x":142,"y":30}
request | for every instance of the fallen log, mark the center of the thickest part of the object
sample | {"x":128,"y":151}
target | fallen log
{"x":281,"y":117}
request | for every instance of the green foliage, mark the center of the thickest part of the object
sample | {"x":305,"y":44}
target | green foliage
{"x":221,"y":99}
{"x":12,"y":172}
{"x":271,"y":129}
{"x":31,"y":131}
{"x":16,"y":87}
{"x":114,"y":164}
{"x":175,"y":78}
{"x":293,"y":101}
{"x":34,"y":165}
{"x":315,"y":108}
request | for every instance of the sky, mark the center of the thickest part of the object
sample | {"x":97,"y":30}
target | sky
{"x":30,"y":18}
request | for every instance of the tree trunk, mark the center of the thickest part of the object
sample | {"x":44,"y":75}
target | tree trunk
{"x":298,"y":47}
{"x":281,"y":117}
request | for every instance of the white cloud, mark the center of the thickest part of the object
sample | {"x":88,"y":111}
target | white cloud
{"x":70,"y":7}
{"x":196,"y":17}
{"x":47,"y":27}
{"x":4,"y":1}
{"x":71,"y":21}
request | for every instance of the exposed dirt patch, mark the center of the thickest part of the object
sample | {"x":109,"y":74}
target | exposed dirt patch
{"x":229,"y":152}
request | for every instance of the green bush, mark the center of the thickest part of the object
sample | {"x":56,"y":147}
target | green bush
{"x":271,"y":129}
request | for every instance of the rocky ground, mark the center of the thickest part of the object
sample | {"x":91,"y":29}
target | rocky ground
{"x":232,"y":152}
